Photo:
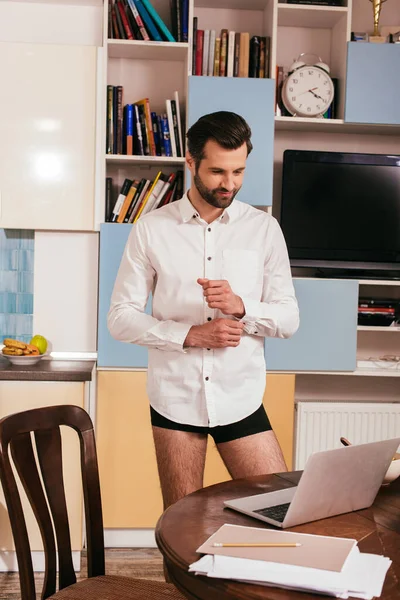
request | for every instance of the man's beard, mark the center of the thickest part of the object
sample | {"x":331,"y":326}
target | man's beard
{"x":212,"y":197}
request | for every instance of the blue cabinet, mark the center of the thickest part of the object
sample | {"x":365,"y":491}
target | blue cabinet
{"x":253,"y":99}
{"x":111,"y":353}
{"x":327,"y":337}
{"x":373,"y":83}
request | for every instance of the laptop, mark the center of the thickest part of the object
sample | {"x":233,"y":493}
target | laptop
{"x":333,"y":482}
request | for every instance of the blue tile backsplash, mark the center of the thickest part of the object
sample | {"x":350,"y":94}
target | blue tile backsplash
{"x":16,"y":284}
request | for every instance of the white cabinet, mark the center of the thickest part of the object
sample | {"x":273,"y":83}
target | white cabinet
{"x":47,"y":136}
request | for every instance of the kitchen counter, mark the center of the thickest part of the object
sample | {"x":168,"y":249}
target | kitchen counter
{"x":47,"y":370}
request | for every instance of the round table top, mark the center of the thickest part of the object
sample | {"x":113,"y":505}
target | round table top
{"x":187,"y":524}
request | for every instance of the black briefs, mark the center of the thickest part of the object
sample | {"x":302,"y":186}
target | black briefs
{"x":255,"y":423}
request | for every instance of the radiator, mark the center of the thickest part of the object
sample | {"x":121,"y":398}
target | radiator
{"x":320,"y":425}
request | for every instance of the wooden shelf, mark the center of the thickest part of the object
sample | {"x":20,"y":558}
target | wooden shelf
{"x":371,"y":328}
{"x":171,"y":51}
{"x":316,"y":17}
{"x":123,"y":159}
{"x":333,"y":126}
{"x":232,"y":4}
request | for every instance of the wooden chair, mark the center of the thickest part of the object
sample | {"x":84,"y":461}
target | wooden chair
{"x":15,"y":432}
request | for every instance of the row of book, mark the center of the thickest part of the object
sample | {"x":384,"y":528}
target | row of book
{"x":136,"y":129}
{"x":138,"y":20}
{"x":139,"y":196}
{"x":229,"y":54}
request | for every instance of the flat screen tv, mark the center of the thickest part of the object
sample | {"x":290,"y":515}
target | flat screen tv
{"x":341,"y":211}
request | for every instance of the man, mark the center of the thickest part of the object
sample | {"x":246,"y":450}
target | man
{"x":219,"y":274}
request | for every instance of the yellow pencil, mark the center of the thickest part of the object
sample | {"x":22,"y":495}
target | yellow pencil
{"x":251,"y":545}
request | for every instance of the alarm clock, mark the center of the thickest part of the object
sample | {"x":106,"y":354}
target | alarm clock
{"x":308,"y":89}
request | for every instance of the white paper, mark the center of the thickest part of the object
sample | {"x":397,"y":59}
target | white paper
{"x":362,"y":576}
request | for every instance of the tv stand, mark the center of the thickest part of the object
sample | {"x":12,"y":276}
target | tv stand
{"x":332,"y":273}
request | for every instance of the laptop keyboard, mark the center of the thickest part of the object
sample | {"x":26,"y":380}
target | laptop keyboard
{"x":278,"y":513}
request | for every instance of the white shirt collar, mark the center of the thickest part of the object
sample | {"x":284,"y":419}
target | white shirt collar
{"x":188,"y":211}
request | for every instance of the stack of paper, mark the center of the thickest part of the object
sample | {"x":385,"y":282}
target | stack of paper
{"x":347,"y":571}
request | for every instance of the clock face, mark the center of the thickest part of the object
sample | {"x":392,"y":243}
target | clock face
{"x":308,"y":91}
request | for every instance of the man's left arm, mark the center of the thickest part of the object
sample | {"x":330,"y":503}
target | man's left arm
{"x":277,"y":313}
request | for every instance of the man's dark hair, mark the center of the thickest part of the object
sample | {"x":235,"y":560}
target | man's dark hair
{"x":226,"y":128}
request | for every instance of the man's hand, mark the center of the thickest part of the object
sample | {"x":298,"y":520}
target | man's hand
{"x":218,"y":294}
{"x":218,"y":333}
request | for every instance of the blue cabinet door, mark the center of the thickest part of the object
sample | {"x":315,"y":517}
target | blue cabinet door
{"x":373,"y":83}
{"x":327,"y":337}
{"x":253,"y":99}
{"x":112,"y":353}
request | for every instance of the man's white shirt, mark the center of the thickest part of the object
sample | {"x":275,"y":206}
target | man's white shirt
{"x":167,"y":251}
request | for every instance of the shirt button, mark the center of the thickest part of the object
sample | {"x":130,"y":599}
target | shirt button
{"x":208,"y":257}
{"x":209,"y":229}
{"x":208,"y":318}
{"x":207,"y":378}
{"x":208,"y":348}
{"x":194,"y":216}
{"x":256,"y":332}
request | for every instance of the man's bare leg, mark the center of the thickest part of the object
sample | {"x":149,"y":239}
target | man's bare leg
{"x":255,"y":454}
{"x":180,"y":459}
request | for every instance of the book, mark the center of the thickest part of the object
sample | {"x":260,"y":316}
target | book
{"x":108,"y":200}
{"x":223,"y":52}
{"x":261,"y":72}
{"x":178,"y":117}
{"x":110,"y":121}
{"x":194,"y":45}
{"x":120,"y":26}
{"x":231,"y":54}
{"x":144,"y":186}
{"x":158,"y":21}
{"x":143,"y":128}
{"x":138,"y":20}
{"x":171,"y":127}
{"x":176,"y":129}
{"x":119,"y":121}
{"x":206,"y":46}
{"x":166,"y":135}
{"x":236,"y":59}
{"x":114,"y":29}
{"x":134,"y":200}
{"x":148,"y":21}
{"x":146,"y":197}
{"x":199,"y":51}
{"x":164,"y":190}
{"x":127,"y":202}
{"x":254,"y":57}
{"x":156,"y":133}
{"x":211,"y":50}
{"x":217,"y":49}
{"x":138,"y":141}
{"x":175,"y":18}
{"x":129,"y":128}
{"x":153,"y":195}
{"x":132,"y":22}
{"x":145,"y":104}
{"x":120,"y":200}
{"x":244,"y":54}
{"x":185,"y":20}
{"x":124,"y":20}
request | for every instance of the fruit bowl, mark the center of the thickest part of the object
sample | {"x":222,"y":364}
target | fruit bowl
{"x":24,"y":360}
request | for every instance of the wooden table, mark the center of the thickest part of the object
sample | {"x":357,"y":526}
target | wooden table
{"x":189,"y":522}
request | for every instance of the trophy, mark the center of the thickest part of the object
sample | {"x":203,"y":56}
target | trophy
{"x":377,"y":7}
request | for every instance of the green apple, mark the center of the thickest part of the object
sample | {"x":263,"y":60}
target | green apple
{"x":40,"y":342}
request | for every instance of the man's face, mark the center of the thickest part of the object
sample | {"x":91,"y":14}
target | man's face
{"x":219,"y":176}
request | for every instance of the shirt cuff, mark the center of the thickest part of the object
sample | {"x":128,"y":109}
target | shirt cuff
{"x":252,"y":308}
{"x":178,"y":334}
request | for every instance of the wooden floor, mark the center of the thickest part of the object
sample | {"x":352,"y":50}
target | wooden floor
{"x":144,"y":563}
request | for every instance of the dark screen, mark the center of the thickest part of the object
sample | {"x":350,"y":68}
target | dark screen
{"x":336,"y":207}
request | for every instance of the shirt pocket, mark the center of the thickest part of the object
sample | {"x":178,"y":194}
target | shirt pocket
{"x":241,"y":269}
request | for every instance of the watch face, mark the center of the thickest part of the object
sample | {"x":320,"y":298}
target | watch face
{"x":308,"y":91}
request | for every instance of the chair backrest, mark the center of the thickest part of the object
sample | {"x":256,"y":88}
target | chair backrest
{"x":15,"y":433}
